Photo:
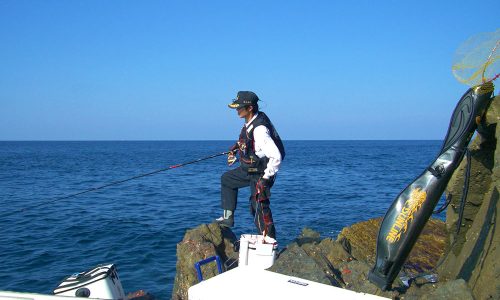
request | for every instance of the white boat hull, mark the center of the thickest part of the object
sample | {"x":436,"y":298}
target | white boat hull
{"x":251,"y":283}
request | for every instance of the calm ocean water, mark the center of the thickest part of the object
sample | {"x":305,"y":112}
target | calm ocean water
{"x":324,"y":185}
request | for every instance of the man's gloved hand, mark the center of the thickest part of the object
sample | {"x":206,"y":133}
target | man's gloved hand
{"x":231,"y":158}
{"x":263,"y":191}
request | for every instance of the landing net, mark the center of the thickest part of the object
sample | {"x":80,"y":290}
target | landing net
{"x":477,"y":60}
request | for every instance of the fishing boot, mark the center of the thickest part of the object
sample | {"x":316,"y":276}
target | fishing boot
{"x":227,"y":219}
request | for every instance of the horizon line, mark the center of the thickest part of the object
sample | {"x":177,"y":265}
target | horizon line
{"x":215,"y":140}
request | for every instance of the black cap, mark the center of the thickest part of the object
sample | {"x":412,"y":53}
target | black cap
{"x":244,"y":98}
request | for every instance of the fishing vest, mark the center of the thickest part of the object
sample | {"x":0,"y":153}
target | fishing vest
{"x":248,"y":159}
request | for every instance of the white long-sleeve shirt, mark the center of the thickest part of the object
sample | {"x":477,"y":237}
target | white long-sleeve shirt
{"x":265,"y":146}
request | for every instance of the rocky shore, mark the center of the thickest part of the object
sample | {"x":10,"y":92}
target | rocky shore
{"x":442,"y":265}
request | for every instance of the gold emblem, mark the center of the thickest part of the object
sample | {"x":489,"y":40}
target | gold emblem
{"x":412,"y":205}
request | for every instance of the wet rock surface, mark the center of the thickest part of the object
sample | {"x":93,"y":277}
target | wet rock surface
{"x":202,"y":242}
{"x":423,"y":257}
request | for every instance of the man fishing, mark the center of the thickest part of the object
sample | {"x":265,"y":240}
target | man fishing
{"x":261,"y":151}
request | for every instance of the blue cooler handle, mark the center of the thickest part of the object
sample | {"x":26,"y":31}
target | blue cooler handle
{"x":198,"y":265}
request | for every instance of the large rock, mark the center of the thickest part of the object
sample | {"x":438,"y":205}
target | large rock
{"x":362,"y":239}
{"x":325,"y":261}
{"x":472,"y":255}
{"x":423,"y":257}
{"x":200,"y":243}
{"x":355,"y":274}
{"x":307,"y":257}
{"x":294,"y":261}
{"x":454,"y":289}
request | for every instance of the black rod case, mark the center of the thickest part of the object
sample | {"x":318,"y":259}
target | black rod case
{"x":409,"y":212}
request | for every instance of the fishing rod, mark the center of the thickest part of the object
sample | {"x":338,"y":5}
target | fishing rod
{"x":117,"y":182}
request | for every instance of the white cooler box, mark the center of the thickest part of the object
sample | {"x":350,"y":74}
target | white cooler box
{"x":101,"y":282}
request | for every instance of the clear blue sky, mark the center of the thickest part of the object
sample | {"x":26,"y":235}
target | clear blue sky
{"x":166,"y":70}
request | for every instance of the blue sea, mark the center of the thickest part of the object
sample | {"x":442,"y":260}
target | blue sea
{"x":324,"y":185}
